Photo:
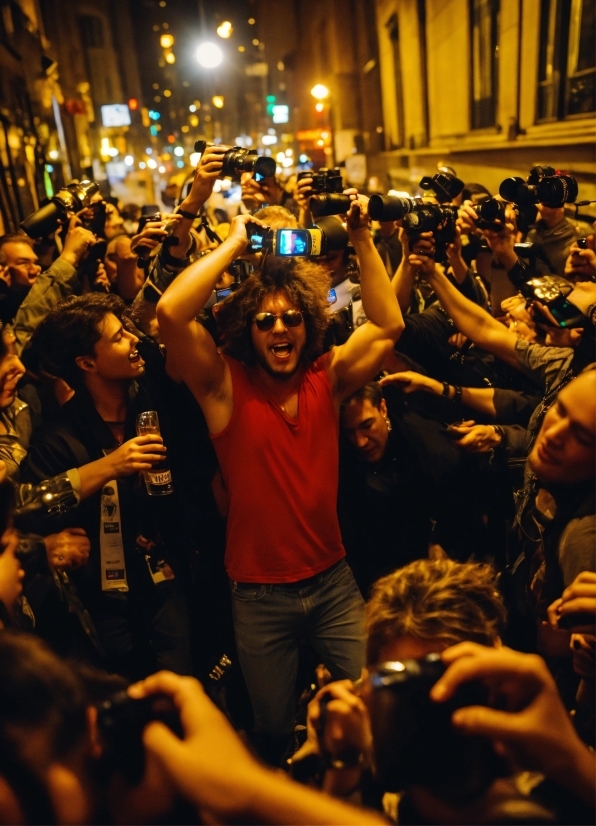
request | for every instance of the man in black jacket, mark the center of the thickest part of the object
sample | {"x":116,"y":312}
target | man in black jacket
{"x":128,"y":586}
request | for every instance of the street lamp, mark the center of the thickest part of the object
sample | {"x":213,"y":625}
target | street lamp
{"x":319,"y":91}
{"x":209,"y":55}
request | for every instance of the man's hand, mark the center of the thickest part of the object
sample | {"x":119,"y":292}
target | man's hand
{"x":466,"y":219}
{"x":344,"y":728}
{"x":422,"y":255}
{"x":77,"y":241}
{"x":210,"y":767}
{"x":208,"y":171}
{"x":476,"y":438}
{"x":137,"y":454}
{"x":581,"y":262}
{"x":535,"y":726}
{"x":237,"y":233}
{"x":583,"y":295}
{"x":357,"y":217}
{"x":411,"y":382}
{"x":304,"y":192}
{"x":152,"y":234}
{"x":101,"y":282}
{"x":68,"y":549}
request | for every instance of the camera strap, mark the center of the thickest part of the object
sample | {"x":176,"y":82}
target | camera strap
{"x":210,"y":233}
{"x":113,"y":566}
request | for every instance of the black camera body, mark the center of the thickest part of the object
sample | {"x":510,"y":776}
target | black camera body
{"x":69,"y":199}
{"x":121,"y":721}
{"x":414,"y":740}
{"x":544,"y":185}
{"x":493,"y":210}
{"x":436,"y":218}
{"x":144,"y":252}
{"x":238,"y":160}
{"x":328,"y":197}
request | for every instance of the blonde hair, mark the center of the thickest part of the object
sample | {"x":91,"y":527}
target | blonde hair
{"x":435,"y":599}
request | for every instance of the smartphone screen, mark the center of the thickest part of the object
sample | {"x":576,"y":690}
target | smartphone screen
{"x":221,"y":294}
{"x":332,"y":296}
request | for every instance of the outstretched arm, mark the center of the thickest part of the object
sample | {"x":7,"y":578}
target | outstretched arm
{"x":470,"y":319}
{"x":356,"y":362}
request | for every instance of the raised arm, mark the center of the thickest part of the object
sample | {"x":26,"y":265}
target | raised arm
{"x":192,"y":356}
{"x":470,"y":319}
{"x":403,"y":278}
{"x":357,"y":361}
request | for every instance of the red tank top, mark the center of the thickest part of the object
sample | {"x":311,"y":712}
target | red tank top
{"x":282,"y":478}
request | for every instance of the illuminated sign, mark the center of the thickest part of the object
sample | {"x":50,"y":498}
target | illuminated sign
{"x":115,"y":114}
{"x":281,"y":113}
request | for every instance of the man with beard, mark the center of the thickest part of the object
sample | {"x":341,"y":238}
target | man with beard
{"x":271,"y":402}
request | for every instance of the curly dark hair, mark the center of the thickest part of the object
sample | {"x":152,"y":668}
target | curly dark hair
{"x":306,"y":285}
{"x":72,"y":329}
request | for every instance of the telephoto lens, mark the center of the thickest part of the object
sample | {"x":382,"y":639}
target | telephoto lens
{"x":329,"y":203}
{"x":390,"y":207}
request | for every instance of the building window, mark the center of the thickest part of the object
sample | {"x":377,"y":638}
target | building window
{"x":567,"y":59}
{"x":484,"y":18}
{"x":393,"y":31}
{"x":91,"y":31}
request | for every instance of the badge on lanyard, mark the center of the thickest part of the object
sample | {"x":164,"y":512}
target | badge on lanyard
{"x":113,"y":567}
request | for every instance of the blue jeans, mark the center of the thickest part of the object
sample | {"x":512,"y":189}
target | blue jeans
{"x":327,"y":610}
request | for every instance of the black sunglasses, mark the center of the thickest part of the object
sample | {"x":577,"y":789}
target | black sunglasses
{"x":266,"y":321}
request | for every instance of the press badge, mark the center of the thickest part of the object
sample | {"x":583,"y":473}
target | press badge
{"x":113,"y":567}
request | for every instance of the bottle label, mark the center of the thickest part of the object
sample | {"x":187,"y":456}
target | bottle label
{"x":163,"y":478}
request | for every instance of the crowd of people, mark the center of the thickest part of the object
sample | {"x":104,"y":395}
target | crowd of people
{"x":348,"y":573}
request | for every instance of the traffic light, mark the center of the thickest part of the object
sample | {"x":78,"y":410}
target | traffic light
{"x":270,"y":100}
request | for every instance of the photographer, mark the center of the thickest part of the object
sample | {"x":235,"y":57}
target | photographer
{"x":33,"y":293}
{"x":279,"y":454}
{"x":419,"y":609}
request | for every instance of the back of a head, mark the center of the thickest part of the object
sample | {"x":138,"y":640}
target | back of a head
{"x":277,"y":217}
{"x":435,"y":600}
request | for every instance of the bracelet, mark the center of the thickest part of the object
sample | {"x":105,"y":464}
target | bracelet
{"x":457,"y":395}
{"x":189,"y":215}
{"x":591,"y":313}
{"x":499,"y":431}
{"x":445,"y":389}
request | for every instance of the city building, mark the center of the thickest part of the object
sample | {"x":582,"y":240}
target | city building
{"x":488,"y":88}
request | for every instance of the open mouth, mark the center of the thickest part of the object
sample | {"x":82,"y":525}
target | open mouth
{"x":135,"y":357}
{"x":282,"y":351}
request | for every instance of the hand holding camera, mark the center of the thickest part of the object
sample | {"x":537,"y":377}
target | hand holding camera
{"x":340,"y":719}
{"x":357,"y":218}
{"x":77,"y":242}
{"x":534,"y":726}
{"x":209,"y":169}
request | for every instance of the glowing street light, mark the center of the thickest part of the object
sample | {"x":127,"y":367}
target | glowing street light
{"x":170,"y":58}
{"x":166,"y":41}
{"x":225,"y":29}
{"x":218,"y":101}
{"x":209,"y":55}
{"x":319,"y":91}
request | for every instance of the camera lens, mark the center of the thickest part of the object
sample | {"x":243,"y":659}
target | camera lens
{"x":329,"y":204}
{"x":265,"y":167}
{"x":491,"y":210}
{"x":45,"y":221}
{"x":389,"y":207}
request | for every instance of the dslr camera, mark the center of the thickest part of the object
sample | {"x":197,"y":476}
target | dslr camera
{"x":413,"y":738}
{"x":493,"y":210}
{"x":419,"y":216}
{"x":69,"y":199}
{"x":121,"y":721}
{"x":327,"y":186}
{"x":544,"y":185}
{"x":552,"y":291}
{"x":238,"y":160}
